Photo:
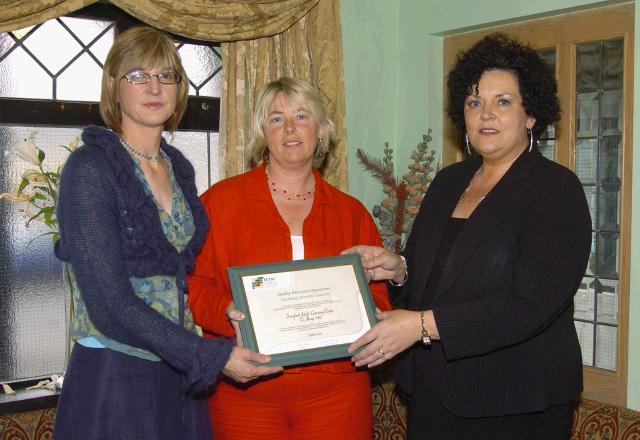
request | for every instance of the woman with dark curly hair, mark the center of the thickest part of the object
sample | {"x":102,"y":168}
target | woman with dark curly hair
{"x":488,"y":348}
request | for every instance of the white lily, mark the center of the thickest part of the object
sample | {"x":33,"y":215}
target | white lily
{"x":75,"y":143}
{"x":28,"y":151}
{"x":15,"y":197}
{"x":34,"y":176}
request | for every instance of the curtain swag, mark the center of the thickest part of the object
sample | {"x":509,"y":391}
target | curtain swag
{"x":210,"y":20}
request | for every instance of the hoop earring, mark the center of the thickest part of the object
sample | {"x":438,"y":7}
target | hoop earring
{"x":530,"y":133}
{"x":319,"y":151}
{"x":466,"y":139}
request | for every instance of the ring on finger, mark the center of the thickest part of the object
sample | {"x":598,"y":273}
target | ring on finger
{"x":382,"y":355}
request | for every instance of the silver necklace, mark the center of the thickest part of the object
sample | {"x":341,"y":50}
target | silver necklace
{"x":140,"y":154}
{"x":464,"y":200}
{"x":464,"y":194}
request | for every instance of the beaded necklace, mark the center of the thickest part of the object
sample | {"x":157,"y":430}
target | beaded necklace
{"x":289,"y":195}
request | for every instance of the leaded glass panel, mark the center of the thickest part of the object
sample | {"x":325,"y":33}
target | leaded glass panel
{"x":78,"y":82}
{"x":32,"y":310}
{"x":598,"y":164}
{"x":22,"y":77}
{"x":52,"y":46}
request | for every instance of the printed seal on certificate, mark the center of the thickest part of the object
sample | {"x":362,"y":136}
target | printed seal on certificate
{"x":305,"y":310}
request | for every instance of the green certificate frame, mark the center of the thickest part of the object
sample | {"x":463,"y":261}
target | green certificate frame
{"x":305,"y":310}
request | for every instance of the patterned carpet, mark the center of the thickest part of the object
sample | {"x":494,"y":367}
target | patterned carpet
{"x":593,"y":421}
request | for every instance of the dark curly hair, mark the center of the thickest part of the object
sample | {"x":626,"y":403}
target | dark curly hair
{"x":535,"y":78}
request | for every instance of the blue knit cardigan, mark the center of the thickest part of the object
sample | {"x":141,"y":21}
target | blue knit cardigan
{"x":110,"y":230}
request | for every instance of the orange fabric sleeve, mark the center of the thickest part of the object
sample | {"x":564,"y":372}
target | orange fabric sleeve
{"x":208,"y":286}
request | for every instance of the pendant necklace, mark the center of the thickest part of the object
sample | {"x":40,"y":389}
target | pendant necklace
{"x":464,"y":194}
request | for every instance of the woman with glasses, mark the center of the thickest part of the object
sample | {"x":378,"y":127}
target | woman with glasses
{"x":130,"y":227}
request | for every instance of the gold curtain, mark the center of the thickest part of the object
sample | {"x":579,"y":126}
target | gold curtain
{"x":311,"y":50}
{"x":211,"y":20}
{"x":18,"y":14}
{"x":262,"y":40}
{"x":219,"y":20}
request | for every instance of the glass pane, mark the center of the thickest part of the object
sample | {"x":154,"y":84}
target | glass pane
{"x":608,"y":210}
{"x":199,"y":62}
{"x":549,"y":55}
{"x":591,"y":193}
{"x":587,"y":160}
{"x":22,"y":77}
{"x":610,"y":162}
{"x":585,"y":300}
{"x":612,"y":64}
{"x":611,"y":113}
{"x":547,"y":148}
{"x":52,"y":45}
{"x":20,"y":33}
{"x":549,"y":132}
{"x":607,"y":254}
{"x":85,"y":30}
{"x":213,"y":87}
{"x":585,"y":336}
{"x":591,"y":266}
{"x":587,"y":116}
{"x":587,"y":66}
{"x":608,"y":301}
{"x":101,"y":47}
{"x":609,"y":197}
{"x":32,"y":301}
{"x":199,"y":147}
{"x":81,"y":81}
{"x":6,"y":43}
{"x":606,"y":347}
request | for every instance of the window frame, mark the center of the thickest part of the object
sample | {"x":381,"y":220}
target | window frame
{"x":202,"y":112}
{"x":563,"y":33}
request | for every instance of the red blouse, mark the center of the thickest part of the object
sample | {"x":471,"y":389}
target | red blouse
{"x":246,"y":228}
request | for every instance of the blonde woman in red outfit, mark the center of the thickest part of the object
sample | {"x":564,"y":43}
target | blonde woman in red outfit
{"x":283,"y":210}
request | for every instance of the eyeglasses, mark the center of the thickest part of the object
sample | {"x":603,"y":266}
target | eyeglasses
{"x":140,"y":77}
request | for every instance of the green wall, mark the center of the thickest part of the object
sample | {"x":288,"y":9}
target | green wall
{"x":393,"y":90}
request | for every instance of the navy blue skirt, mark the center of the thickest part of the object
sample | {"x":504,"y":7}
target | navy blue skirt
{"x":112,"y":396}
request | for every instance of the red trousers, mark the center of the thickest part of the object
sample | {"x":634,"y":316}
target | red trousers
{"x":310,"y":405}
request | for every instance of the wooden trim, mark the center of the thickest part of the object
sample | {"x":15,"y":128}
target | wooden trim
{"x":564,"y":32}
{"x":202,"y":113}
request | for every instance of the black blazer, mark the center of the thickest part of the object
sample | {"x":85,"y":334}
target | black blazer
{"x":504,"y":303}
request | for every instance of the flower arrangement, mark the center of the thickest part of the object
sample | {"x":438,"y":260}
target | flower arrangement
{"x":37,"y":192}
{"x":397,"y":211}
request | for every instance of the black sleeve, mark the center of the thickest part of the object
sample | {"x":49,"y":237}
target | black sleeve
{"x":553,"y":253}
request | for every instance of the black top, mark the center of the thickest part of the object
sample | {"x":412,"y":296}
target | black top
{"x":454,"y":225}
{"x":423,"y":360}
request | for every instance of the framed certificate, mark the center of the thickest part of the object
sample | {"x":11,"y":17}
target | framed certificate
{"x":305,"y":310}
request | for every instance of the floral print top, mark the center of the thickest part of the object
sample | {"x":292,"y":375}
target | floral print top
{"x":159,"y":291}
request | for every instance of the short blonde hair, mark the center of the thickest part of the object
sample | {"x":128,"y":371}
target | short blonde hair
{"x":297,"y":93}
{"x":140,"y":48}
